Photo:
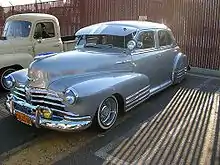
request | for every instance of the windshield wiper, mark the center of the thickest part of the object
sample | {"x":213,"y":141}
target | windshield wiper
{"x":99,"y":45}
{"x":93,"y":46}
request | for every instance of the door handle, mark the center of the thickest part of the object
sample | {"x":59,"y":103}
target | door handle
{"x":56,"y":45}
{"x":123,"y":62}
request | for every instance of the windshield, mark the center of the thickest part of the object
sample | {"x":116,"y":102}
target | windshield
{"x":17,"y":29}
{"x":100,"y":41}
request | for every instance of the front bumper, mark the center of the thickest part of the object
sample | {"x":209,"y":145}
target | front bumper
{"x":66,"y":123}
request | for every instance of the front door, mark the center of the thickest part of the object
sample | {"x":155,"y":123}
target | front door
{"x":146,"y":57}
{"x":45,"y":38}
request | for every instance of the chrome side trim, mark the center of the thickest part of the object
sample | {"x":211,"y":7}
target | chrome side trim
{"x":123,"y":62}
{"x":180,"y":71}
{"x":141,"y":100}
{"x":136,"y":93}
{"x":160,"y":87}
{"x":137,"y":96}
{"x":147,"y":95}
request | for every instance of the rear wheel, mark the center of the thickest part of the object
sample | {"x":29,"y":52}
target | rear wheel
{"x":107,"y":113}
{"x":4,"y":72}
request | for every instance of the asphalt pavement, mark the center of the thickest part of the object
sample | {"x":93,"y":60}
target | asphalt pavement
{"x":180,"y":125}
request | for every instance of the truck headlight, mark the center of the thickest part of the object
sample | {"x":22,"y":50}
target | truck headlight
{"x":70,"y":96}
{"x":9,"y":81}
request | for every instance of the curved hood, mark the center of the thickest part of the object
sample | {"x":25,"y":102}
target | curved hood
{"x":80,"y":63}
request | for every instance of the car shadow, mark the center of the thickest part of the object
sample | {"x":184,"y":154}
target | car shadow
{"x":172,"y":127}
{"x":14,"y":133}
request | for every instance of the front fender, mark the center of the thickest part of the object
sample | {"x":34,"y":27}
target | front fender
{"x":20,"y":76}
{"x":93,"y":90}
{"x":22,"y":59}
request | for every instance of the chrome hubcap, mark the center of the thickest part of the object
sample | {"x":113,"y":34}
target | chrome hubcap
{"x":3,"y":82}
{"x":108,"y":112}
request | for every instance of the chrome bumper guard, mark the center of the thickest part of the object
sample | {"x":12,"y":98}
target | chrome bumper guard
{"x":67,"y":124}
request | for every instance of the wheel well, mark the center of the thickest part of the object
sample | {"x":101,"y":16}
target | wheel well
{"x":120,"y":102}
{"x":17,"y":67}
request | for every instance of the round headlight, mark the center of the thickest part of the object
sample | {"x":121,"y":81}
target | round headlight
{"x":70,"y":96}
{"x":9,"y":81}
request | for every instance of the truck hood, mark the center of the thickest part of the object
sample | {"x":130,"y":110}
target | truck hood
{"x":5,"y":47}
{"x":77,"y":63}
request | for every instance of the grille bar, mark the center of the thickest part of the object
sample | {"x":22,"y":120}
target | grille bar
{"x":41,"y":97}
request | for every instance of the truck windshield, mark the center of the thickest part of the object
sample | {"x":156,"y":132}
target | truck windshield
{"x":103,"y":40}
{"x":16,"y":29}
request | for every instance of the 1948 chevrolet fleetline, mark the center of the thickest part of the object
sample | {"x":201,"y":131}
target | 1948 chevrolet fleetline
{"x":116,"y":66}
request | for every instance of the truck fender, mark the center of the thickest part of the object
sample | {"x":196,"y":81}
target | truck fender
{"x":21,"y":59}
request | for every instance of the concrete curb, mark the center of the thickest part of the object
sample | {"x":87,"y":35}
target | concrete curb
{"x":208,"y":72}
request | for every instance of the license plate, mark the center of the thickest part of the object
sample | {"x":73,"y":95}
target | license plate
{"x":23,"y":118}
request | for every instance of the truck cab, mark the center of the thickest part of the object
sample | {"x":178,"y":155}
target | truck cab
{"x":27,"y":35}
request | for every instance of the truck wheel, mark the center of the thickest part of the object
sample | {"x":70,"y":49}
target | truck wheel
{"x":3,"y":73}
{"x":107,"y":113}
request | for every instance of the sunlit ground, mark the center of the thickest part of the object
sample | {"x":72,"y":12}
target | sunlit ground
{"x":183,"y":133}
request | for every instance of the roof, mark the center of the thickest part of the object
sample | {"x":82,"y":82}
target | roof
{"x":120,"y":28}
{"x":32,"y":17}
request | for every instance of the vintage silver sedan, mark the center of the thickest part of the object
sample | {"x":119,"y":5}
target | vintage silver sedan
{"x":115,"y":66}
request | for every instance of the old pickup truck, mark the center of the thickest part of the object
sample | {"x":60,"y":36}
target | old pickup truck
{"x":115,"y":67}
{"x":25,"y":36}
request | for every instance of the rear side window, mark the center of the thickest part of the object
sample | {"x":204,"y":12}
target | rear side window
{"x":165,"y":38}
{"x":146,"y":38}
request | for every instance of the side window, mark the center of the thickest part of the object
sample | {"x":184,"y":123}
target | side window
{"x":146,"y":39}
{"x":44,"y":30}
{"x":165,"y":38}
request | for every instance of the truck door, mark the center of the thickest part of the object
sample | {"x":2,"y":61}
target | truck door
{"x":46,"y":38}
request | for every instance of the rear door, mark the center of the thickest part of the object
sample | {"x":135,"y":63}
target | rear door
{"x":167,"y":51}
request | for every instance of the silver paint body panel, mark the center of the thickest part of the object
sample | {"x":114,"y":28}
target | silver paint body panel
{"x":98,"y":73}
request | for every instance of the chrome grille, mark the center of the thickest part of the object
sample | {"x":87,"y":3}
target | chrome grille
{"x":40,"y":97}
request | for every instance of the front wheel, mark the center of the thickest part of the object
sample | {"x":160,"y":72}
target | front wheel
{"x":3,"y":73}
{"x":107,"y":113}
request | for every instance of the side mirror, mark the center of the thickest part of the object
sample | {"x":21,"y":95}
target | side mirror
{"x":131,"y":45}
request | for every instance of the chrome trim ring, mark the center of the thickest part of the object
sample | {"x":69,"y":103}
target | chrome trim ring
{"x":107,"y":112}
